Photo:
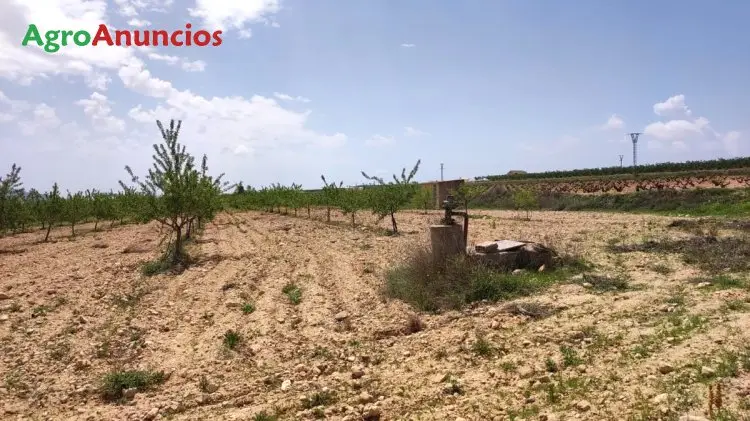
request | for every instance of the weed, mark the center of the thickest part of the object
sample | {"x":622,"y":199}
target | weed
{"x":532,"y":310}
{"x":735,"y":305}
{"x":605,"y":283}
{"x":661,"y":268}
{"x":293,"y":292}
{"x":321,"y":352}
{"x":570,"y":357}
{"x":232,"y":339}
{"x":482,"y":347}
{"x":115,"y":383}
{"x":432,"y":285}
{"x":248,"y":308}
{"x":550,"y":365}
{"x":414,"y":324}
{"x":707,"y":252}
{"x":322,"y":398}
{"x":265,"y":416}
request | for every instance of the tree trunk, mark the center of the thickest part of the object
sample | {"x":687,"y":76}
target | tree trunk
{"x":96,"y":222}
{"x":49,"y":228}
{"x":73,"y":229}
{"x":308,"y":211}
{"x":177,"y":254}
{"x":328,"y":214}
{"x":393,"y":222}
{"x":353,"y":219}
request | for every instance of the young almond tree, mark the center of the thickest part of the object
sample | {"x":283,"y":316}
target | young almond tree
{"x":176,"y":193}
{"x":388,"y":198}
{"x":351,"y":201}
{"x":329,"y":196}
{"x":52,"y":209}
{"x":74,"y":206}
{"x":10,"y":188}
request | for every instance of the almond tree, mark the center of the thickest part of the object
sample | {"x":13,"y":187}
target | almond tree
{"x":388,"y":198}
{"x":329,"y":196}
{"x":74,"y":210}
{"x":351,"y":201}
{"x":10,"y":188}
{"x":52,"y":209}
{"x":175,"y":192}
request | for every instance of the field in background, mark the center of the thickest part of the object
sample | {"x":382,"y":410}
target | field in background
{"x":283,"y":315}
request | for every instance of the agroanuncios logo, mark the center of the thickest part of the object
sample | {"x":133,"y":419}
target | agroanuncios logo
{"x":53,"y":40}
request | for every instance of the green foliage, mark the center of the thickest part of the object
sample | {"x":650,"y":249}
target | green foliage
{"x":388,"y":198}
{"x":423,"y":199}
{"x":353,"y":200}
{"x":177,"y":194}
{"x":525,"y":200}
{"x":115,"y":383}
{"x":716,"y":164}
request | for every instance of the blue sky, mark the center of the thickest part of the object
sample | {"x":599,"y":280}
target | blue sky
{"x":304,"y":88}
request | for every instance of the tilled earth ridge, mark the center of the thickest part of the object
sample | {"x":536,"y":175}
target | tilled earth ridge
{"x":75,"y":309}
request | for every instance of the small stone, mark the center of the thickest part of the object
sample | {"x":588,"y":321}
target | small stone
{"x":707,"y":371}
{"x":703,"y":284}
{"x":660,"y":399}
{"x":286,"y":384}
{"x":4,"y":296}
{"x":129,"y":393}
{"x":525,"y":372}
{"x":494,"y":324}
{"x":583,"y":405}
{"x":358,"y":373}
{"x":541,"y":268}
{"x":365,"y":397}
{"x":586,"y":285}
{"x":4,"y":318}
{"x":341,"y":316}
{"x":151,"y":414}
{"x":665,"y":368}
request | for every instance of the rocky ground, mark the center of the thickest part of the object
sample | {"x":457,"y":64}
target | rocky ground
{"x":283,"y":315}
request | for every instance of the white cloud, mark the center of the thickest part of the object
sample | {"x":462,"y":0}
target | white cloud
{"x":186,"y":65}
{"x":234,"y":15}
{"x":673,"y":105}
{"x":44,"y":118}
{"x":194,"y":66}
{"x":405,"y":45}
{"x":97,"y":108}
{"x":24,"y":65}
{"x":677,"y":129}
{"x":614,"y":122}
{"x":286,"y":97}
{"x":412,"y":132}
{"x":132,"y":8}
{"x":731,"y":142}
{"x":139,"y":22}
{"x":379,"y":140}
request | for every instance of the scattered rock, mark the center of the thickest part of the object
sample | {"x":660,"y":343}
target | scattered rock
{"x":665,"y":368}
{"x":358,"y":373}
{"x":286,"y":385}
{"x":583,"y":405}
{"x":660,"y":399}
{"x":4,"y":296}
{"x":129,"y":393}
{"x":707,"y":371}
{"x":341,"y":316}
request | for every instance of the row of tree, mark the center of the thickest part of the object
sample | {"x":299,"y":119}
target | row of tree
{"x":384,"y":199}
{"x":664,"y":167}
{"x":182,"y":196}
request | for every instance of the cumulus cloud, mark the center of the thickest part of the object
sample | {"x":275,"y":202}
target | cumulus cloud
{"x":614,"y":122}
{"x":673,"y":105}
{"x":407,"y":45}
{"x":120,"y":124}
{"x":230,"y":15}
